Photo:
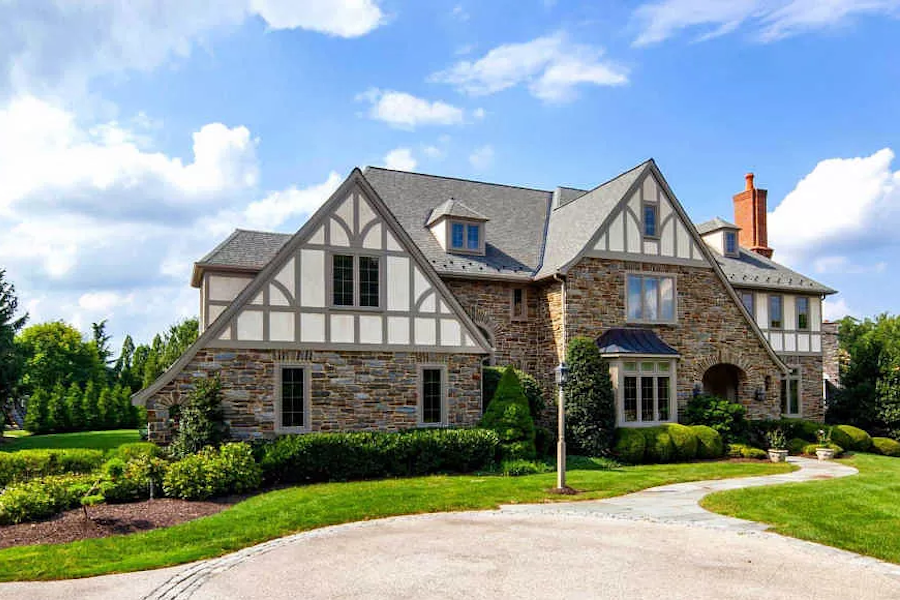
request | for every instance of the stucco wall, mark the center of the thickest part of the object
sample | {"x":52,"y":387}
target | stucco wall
{"x":350,"y":391}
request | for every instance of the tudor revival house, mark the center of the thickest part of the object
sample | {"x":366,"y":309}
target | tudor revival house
{"x":381,"y":310}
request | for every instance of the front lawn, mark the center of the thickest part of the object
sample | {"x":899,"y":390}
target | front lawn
{"x":282,"y":512}
{"x":96,"y":440}
{"x":858,"y":513}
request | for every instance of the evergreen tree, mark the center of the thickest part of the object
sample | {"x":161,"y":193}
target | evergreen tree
{"x":57,"y":417}
{"x":590,"y":401}
{"x":100,"y":344}
{"x":10,"y":358}
{"x":106,"y":412}
{"x":122,"y":369}
{"x":202,"y":421}
{"x":508,"y":414}
{"x":74,"y":410}
{"x":127,"y":411}
{"x":36,"y":412}
{"x":89,"y":407}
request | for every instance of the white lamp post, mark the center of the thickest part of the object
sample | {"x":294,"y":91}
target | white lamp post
{"x":562,"y":375}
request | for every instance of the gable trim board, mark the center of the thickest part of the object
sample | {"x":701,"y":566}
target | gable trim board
{"x":650,"y":169}
{"x":226,"y":322}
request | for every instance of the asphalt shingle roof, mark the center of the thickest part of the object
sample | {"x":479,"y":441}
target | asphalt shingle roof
{"x":454,"y":208}
{"x":715,"y":225}
{"x":247,"y":249}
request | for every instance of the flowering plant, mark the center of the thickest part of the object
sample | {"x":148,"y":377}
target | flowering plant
{"x":823,"y":436}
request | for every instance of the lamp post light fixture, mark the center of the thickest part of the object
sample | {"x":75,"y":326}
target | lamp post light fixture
{"x":562,"y":376}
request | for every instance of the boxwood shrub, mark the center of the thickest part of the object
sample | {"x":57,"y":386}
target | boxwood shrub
{"x":811,"y":449}
{"x":885,"y":446}
{"x":369,"y":455}
{"x":658,"y":445}
{"x":629,"y":447}
{"x":745,"y":451}
{"x":23,"y":465}
{"x":858,"y":439}
{"x":42,"y":497}
{"x":212,"y":472}
{"x":685,"y":441}
{"x":709,"y":442}
{"x":135,"y":450}
{"x":797,"y":445}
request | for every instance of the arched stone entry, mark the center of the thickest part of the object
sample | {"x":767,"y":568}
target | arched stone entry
{"x":723,"y":380}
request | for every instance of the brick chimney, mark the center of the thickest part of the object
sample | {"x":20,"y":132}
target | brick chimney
{"x":750,"y":216}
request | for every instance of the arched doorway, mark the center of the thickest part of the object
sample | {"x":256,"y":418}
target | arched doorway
{"x":723,"y":380}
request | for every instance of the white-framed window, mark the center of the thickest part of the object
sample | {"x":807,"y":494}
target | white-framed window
{"x":802,"y":305}
{"x":645,"y":391}
{"x":747,"y":299}
{"x":650,"y":298}
{"x":432,"y":405}
{"x":518,"y":304}
{"x":651,"y":220}
{"x":467,"y":237}
{"x":731,"y":243}
{"x":292,"y":398}
{"x":791,"y":401}
{"x":776,"y":311}
{"x":355,"y":280}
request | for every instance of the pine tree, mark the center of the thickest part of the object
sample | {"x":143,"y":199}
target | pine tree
{"x":127,"y":412}
{"x":36,"y":412}
{"x":74,"y":410}
{"x":590,"y":401}
{"x":89,"y":407}
{"x":57,"y":418}
{"x":105,"y":409}
{"x":508,"y":414}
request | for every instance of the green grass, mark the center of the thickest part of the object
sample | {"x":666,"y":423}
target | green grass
{"x":859,"y":513}
{"x":98,"y":440}
{"x":279,"y":513}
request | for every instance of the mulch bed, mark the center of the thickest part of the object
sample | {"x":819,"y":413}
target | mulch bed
{"x":110,"y":519}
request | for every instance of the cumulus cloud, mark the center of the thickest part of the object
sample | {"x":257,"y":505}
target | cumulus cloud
{"x":551,"y":66}
{"x":844,"y":204}
{"x":406,"y":111}
{"x":400,"y":159}
{"x":836,"y":308}
{"x":843,"y":264}
{"x":482,"y":158}
{"x":769,"y":19}
{"x":50,"y":46}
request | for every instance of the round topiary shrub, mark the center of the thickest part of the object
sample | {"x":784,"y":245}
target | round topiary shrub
{"x":859,"y":439}
{"x":885,"y":446}
{"x":745,"y":451}
{"x":796,"y":445}
{"x":685,"y":441}
{"x":658,"y":445}
{"x":811,"y":449}
{"x":630,"y":445}
{"x":709,"y":442}
{"x":840,"y":437}
{"x":509,"y":416}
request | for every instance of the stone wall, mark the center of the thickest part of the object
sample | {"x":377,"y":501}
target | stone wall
{"x":710,"y":327}
{"x":350,"y":391}
{"x":812,"y":406}
{"x":831,"y":353}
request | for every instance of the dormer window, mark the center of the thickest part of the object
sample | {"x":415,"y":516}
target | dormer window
{"x":457,"y":227}
{"x":731,"y":243}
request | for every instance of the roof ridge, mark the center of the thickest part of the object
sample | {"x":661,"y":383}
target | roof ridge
{"x":259,"y":231}
{"x":507,"y":185}
{"x":218,"y":247}
{"x":605,"y":183}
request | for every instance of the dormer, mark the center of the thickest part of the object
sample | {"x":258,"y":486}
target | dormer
{"x":721,"y":236}
{"x":457,"y":228}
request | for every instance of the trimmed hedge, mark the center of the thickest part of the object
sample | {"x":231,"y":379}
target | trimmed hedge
{"x":859,"y":439}
{"x":709,"y":442}
{"x":658,"y":445}
{"x":685,"y":441}
{"x":490,"y":379}
{"x":135,"y":450}
{"x":24,"y":465}
{"x":811,"y":449}
{"x":797,"y":445}
{"x":43,"y":497}
{"x":630,"y":443}
{"x":230,"y":469}
{"x":885,"y":446}
{"x":745,"y":451}
{"x":369,"y":455}
{"x":841,"y":437}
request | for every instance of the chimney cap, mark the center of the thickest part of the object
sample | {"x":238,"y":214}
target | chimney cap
{"x":749,"y":178}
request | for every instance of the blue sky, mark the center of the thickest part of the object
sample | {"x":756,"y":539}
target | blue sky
{"x":135,"y":135}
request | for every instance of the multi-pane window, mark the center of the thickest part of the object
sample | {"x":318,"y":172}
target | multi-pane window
{"x":790,"y":393}
{"x":432,"y":396}
{"x":472,"y":238}
{"x":519,"y":307}
{"x":368,"y":281}
{"x":457,"y":231}
{"x":651,"y":218}
{"x":802,"y":313}
{"x":342,"y":274}
{"x":293,"y":413}
{"x":646,"y":391}
{"x":730,"y":242}
{"x":465,"y":236}
{"x":776,"y":312}
{"x":355,"y":281}
{"x":651,"y":298}
{"x":747,"y":301}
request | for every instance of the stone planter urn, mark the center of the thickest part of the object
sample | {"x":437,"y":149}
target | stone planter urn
{"x":824,"y":453}
{"x":778,"y":455}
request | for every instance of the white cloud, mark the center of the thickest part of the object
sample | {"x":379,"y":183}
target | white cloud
{"x":844,"y":204}
{"x":406,"y":111}
{"x":551,"y":66}
{"x":769,"y":19}
{"x":836,"y":308}
{"x":276,"y":208}
{"x":400,"y":159}
{"x":433,"y":152}
{"x":103,"y":302}
{"x":459,"y":13}
{"x":482,"y":158}
{"x":58,"y":47}
{"x":842,"y":264}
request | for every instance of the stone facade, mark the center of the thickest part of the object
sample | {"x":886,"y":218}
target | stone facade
{"x":812,"y":406}
{"x":831,"y":363}
{"x":350,"y":391}
{"x":710,"y":327}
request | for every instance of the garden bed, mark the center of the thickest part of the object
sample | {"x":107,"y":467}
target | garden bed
{"x":111,"y":519}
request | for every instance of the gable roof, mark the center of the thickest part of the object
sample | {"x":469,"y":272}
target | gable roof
{"x":243,"y":250}
{"x":454,"y":208}
{"x":714,"y":225}
{"x":249,"y":292}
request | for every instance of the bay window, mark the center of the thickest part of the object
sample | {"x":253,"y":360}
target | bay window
{"x":646,"y":390}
